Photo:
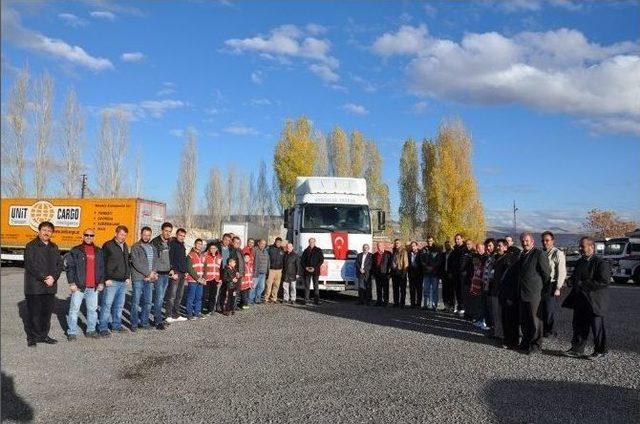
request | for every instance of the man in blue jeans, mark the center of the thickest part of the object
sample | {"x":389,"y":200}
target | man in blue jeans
{"x":117,"y":272}
{"x":260,"y":269}
{"x":143,"y":275}
{"x":85,"y":275}
{"x":163,"y":266}
{"x":430,"y":259}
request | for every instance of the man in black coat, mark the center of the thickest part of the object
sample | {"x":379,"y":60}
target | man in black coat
{"x":42,"y":268}
{"x":415,"y":276}
{"x":117,"y":277}
{"x":311,"y":261}
{"x":447,"y":275}
{"x":458,"y":272}
{"x":363,"y":275}
{"x":177,"y":272}
{"x":589,"y":299}
{"x":380,"y":272}
{"x":534,"y":273}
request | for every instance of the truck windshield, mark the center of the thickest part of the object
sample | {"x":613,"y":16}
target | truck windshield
{"x":328,"y":218}
{"x":615,"y":248}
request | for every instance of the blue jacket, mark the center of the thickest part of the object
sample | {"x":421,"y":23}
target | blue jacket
{"x":76,"y":266}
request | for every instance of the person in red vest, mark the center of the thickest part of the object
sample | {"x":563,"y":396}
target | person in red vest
{"x":212,"y":264}
{"x":195,"y":280}
{"x":246,"y":282}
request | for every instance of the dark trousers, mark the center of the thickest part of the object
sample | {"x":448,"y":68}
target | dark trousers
{"x":173,"y":297}
{"x":459,"y":292}
{"x":531,"y":324}
{"x":39,"y":310}
{"x":448,"y":291}
{"x":399,"y":282}
{"x":244,"y":297}
{"x":316,"y":290}
{"x":382,"y":289}
{"x":229,"y":301}
{"x":364,"y":289}
{"x":510,"y":323}
{"x":210,"y":296}
{"x":550,"y":308}
{"x":415,"y":289}
{"x":583,"y":322}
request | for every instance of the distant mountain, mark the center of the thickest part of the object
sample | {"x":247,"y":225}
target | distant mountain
{"x":563,"y":237}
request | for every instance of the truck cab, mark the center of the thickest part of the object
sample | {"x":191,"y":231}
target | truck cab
{"x":624,"y":255}
{"x":335,"y":212}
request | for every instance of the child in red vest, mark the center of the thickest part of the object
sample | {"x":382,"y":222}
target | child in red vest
{"x":247,"y":281}
{"x":212,"y":264}
{"x":230,"y":283}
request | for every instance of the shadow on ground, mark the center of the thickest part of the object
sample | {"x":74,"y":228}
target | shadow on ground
{"x":544,"y":401}
{"x":14,"y":408}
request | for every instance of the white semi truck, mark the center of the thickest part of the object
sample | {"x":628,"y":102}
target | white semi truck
{"x":335,"y":212}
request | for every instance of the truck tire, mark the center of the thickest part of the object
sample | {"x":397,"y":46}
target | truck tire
{"x":620,"y":280}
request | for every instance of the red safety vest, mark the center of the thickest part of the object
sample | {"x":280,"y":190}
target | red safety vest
{"x":197,"y":262}
{"x":247,"y":278}
{"x":212,"y":266}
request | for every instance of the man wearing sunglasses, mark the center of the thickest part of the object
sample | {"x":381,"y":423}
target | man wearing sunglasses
{"x":85,"y":275}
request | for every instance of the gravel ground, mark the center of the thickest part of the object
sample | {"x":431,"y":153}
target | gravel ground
{"x":338,"y":362}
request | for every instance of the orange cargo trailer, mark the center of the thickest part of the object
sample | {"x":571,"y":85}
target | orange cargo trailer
{"x":20,"y":219}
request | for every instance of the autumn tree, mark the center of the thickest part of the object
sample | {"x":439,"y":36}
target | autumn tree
{"x":409,"y":209}
{"x":458,"y":208}
{"x":186,"y":188}
{"x":377,"y":190}
{"x":430,"y":189}
{"x":295,"y":155}
{"x":113,"y":142}
{"x":321,"y":167}
{"x":358,"y":154}
{"x":71,"y":143}
{"x":14,"y":137}
{"x":339,"y":153}
{"x":603,"y":224}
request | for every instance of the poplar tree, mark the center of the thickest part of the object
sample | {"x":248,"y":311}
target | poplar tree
{"x":358,"y":153}
{"x":321,"y":168}
{"x":186,"y":188}
{"x":295,"y":155}
{"x":430,"y":189}
{"x":409,"y":209}
{"x":340,"y":153}
{"x":377,"y":190}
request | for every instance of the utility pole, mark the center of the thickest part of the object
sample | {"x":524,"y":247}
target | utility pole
{"x":515,"y":227}
{"x":84,"y":185}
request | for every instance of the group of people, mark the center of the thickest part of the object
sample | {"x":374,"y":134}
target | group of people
{"x":220,"y":277}
{"x":509,"y":292}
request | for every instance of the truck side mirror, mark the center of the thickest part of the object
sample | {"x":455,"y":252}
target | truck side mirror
{"x":381,"y":220}
{"x":287,"y":221}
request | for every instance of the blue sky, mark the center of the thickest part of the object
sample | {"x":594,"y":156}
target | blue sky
{"x":550,"y":90}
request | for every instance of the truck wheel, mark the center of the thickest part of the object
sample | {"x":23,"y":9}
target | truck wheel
{"x":620,"y":280}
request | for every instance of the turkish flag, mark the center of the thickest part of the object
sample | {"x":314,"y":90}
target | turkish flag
{"x":340,"y":243}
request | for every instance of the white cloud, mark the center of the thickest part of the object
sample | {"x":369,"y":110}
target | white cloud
{"x":407,"y":41}
{"x":103,"y":14}
{"x":133,"y":57}
{"x":177,"y":133}
{"x":420,"y":107}
{"x":168,"y":89}
{"x":430,"y":10}
{"x":556,"y":71}
{"x":367,"y":85}
{"x":287,"y":42}
{"x":144,"y":109}
{"x":516,"y":6}
{"x":355,"y":109}
{"x":72,"y":20}
{"x":14,"y":32}
{"x":260,"y":102}
{"x":315,"y":29}
{"x":325,"y":73}
{"x":240,"y":129}
{"x":257,"y":77}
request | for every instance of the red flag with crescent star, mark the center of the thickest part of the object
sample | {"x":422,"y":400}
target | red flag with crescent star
{"x":340,"y":243}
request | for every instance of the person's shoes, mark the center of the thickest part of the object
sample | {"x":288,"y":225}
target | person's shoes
{"x":145,"y":327}
{"x":203,"y":316}
{"x":71,"y":338}
{"x":49,"y":340}
{"x":161,"y":326}
{"x":180,"y":319}
{"x":533,"y":350}
{"x":170,"y":320}
{"x":133,"y":329}
{"x":245,"y":306}
{"x":190,"y":318}
{"x":121,"y":330}
{"x":92,"y":335}
{"x":105,"y":333}
{"x":31,"y":343}
{"x":316,"y":302}
{"x":596,"y":356}
{"x":573,"y":354}
{"x":460,"y":313}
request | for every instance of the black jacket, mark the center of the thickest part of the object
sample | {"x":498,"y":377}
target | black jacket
{"x":367,"y":265}
{"x":228,"y":274}
{"x":41,"y":260}
{"x":500,"y":266}
{"x":534,"y":273}
{"x":385,"y":263}
{"x":415,"y":266}
{"x":239,"y":257}
{"x":276,"y":257}
{"x":116,"y":261}
{"x":177,"y":256}
{"x":446,"y":265}
{"x":589,"y":283}
{"x":311,"y":258}
{"x":431,"y":261}
{"x":458,"y":261}
{"x":76,"y":264}
{"x":291,"y":267}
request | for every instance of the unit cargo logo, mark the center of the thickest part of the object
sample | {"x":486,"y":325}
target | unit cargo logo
{"x":32,"y":216}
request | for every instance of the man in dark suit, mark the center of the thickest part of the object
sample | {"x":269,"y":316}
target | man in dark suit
{"x":380,"y":271}
{"x":589,"y":299}
{"x":363,"y":275}
{"x":448,"y":278}
{"x":311,"y":260}
{"x":533,"y":276}
{"x":415,"y":276}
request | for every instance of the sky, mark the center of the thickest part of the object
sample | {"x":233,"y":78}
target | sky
{"x":549,"y":90}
